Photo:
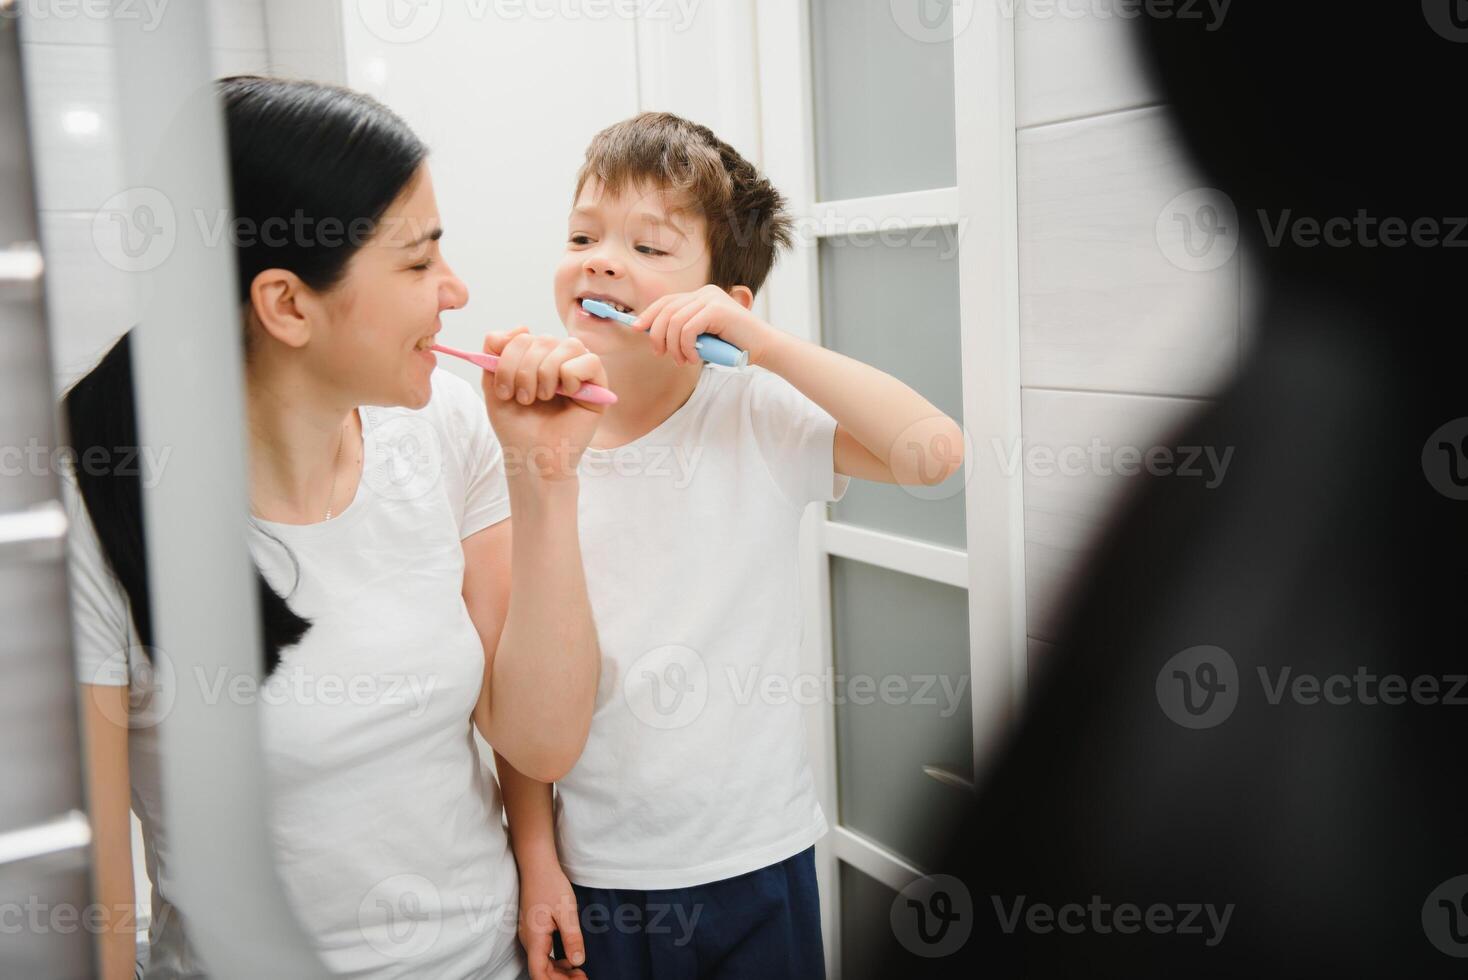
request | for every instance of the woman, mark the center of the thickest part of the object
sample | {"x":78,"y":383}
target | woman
{"x":383,"y":546}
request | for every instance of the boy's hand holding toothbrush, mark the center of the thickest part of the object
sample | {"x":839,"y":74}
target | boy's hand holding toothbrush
{"x":674,"y":322}
{"x":541,"y":432}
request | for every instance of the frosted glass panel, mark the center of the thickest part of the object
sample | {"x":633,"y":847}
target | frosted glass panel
{"x":890,"y":299}
{"x":902,"y":703}
{"x":883,"y":77}
{"x":868,"y":946}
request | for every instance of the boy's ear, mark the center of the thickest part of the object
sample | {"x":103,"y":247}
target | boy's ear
{"x":743,"y":295}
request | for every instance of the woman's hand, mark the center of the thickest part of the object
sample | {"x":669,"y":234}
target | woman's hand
{"x":542,"y":433}
{"x":547,"y":905}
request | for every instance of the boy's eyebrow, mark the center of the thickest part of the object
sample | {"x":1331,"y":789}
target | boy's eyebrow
{"x":646,"y":217}
{"x":651,"y":218}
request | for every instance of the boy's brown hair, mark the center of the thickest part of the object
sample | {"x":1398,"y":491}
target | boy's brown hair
{"x":745,"y":215}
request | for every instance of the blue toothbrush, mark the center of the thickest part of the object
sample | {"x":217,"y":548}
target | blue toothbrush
{"x":709,"y":347}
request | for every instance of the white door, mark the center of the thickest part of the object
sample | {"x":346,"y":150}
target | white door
{"x":890,"y":125}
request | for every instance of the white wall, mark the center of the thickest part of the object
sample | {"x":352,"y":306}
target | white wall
{"x":507,"y":107}
{"x":508,"y":104}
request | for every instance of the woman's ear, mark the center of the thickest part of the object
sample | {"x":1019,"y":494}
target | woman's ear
{"x":282,"y":304}
{"x":743,"y":295}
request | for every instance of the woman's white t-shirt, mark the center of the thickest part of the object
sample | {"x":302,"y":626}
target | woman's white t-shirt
{"x":386,"y":822}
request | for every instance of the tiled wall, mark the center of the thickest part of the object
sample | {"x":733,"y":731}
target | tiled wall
{"x":73,"y":115}
{"x":1119,"y":343}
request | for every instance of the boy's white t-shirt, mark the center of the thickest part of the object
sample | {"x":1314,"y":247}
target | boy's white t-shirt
{"x":696,"y":768}
{"x":386,"y":823}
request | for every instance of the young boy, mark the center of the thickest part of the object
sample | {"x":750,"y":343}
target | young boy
{"x":687,"y":827}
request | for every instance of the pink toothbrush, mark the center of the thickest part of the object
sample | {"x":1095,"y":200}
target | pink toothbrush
{"x":589,"y":393}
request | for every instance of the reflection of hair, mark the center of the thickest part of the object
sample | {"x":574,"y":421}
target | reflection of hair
{"x":297,"y":150}
{"x":745,"y":214}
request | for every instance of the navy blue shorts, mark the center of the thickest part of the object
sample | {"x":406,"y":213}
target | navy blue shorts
{"x":765,"y":924}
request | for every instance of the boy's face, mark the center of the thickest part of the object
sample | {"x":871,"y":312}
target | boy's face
{"x":628,"y":249}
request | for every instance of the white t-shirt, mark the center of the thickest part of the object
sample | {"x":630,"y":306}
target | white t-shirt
{"x":386,"y":823}
{"x":689,"y":536}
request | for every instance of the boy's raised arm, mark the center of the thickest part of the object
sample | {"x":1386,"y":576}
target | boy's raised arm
{"x":885,"y":431}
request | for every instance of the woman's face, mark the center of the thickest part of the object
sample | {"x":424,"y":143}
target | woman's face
{"x":386,"y":308}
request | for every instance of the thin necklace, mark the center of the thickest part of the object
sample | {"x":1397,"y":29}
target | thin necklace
{"x":335,"y":469}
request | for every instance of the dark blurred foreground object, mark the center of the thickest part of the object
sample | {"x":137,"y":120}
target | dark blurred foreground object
{"x":1244,"y":759}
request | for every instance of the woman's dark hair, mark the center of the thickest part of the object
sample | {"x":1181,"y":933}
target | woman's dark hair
{"x":328,"y":162}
